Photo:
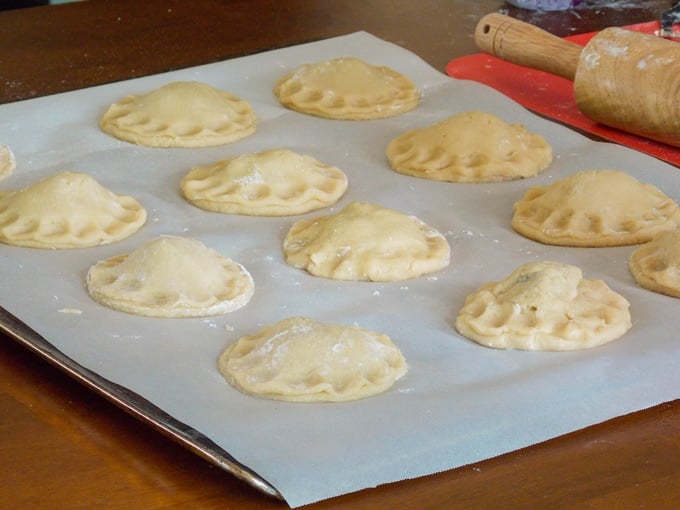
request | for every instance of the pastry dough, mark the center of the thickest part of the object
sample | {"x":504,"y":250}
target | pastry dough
{"x":7,"y":161}
{"x":595,"y":208}
{"x":656,"y":265}
{"x":304,"y":360}
{"x":67,"y":210}
{"x":171,"y":277}
{"x":276,"y":182}
{"x":544,"y":306}
{"x":180,"y":114}
{"x":347,"y":88}
{"x":470,"y":147}
{"x":367,"y":242}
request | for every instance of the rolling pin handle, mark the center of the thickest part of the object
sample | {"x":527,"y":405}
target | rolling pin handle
{"x":527,"y":45}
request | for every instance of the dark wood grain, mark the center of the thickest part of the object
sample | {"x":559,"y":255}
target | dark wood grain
{"x":45,"y":50}
{"x":62,"y":446}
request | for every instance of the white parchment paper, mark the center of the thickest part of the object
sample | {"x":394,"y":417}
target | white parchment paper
{"x":458,"y":404}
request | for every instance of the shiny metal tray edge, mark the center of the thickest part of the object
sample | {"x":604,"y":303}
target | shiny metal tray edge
{"x":133,"y":404}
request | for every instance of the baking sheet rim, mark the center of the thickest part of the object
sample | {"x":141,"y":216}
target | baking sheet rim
{"x":133,"y":404}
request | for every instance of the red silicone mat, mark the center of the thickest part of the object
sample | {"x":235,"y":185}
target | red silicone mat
{"x":553,"y":96}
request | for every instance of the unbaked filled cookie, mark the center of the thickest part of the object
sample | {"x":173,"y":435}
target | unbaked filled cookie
{"x":595,"y":208}
{"x":544,"y":306}
{"x":171,"y":277}
{"x":304,"y":360}
{"x":7,"y":161}
{"x":67,"y":210}
{"x":180,"y":114}
{"x":277,"y":182}
{"x":366,"y":242}
{"x":656,"y":265}
{"x":347,"y":88}
{"x":470,"y":147}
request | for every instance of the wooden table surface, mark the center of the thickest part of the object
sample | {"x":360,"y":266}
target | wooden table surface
{"x":63,"y":446}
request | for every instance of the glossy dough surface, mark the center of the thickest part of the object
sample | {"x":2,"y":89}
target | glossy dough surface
{"x":180,"y":114}
{"x":7,"y":161}
{"x":595,"y":208}
{"x":366,"y":242}
{"x":276,"y":182}
{"x":304,"y":360}
{"x":347,"y":88}
{"x":470,"y":147}
{"x":656,"y":265}
{"x":67,"y":210}
{"x":544,"y":306}
{"x":171,"y":277}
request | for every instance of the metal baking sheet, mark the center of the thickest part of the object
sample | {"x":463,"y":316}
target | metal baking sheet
{"x":459,"y":403}
{"x":133,"y":403}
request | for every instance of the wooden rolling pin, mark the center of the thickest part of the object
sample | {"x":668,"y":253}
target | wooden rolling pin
{"x":623,"y":79}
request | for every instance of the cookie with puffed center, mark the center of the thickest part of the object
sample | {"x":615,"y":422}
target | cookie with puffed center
{"x":7,"y":161}
{"x":366,"y":242}
{"x":595,"y":208}
{"x":470,"y":147}
{"x":347,"y":88}
{"x":544,"y":306}
{"x":67,"y":210}
{"x":180,"y":114}
{"x":171,"y":277}
{"x":304,"y":360}
{"x":656,"y":264}
{"x":276,"y":182}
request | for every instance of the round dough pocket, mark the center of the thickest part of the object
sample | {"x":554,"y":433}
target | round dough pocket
{"x":470,"y":147}
{"x":7,"y":161}
{"x":366,"y":242}
{"x":304,"y":360}
{"x":544,"y":306}
{"x":347,"y":88}
{"x":171,"y":277}
{"x":180,"y":114}
{"x":276,"y":182}
{"x":67,"y":210}
{"x":594,"y":208}
{"x":656,"y":265}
